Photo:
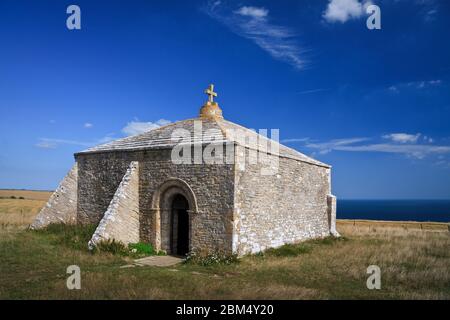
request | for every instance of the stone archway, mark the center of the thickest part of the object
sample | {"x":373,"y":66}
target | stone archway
{"x":166,"y":203}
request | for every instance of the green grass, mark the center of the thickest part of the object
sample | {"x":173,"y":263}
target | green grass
{"x":414,"y":265}
{"x":72,"y":237}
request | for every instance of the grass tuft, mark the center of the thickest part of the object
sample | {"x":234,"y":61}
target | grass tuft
{"x":112,"y":246}
{"x":210,"y":259}
{"x":289,"y":250}
{"x":71,"y":236}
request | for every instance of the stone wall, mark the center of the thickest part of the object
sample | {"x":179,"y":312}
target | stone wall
{"x":213,"y":185}
{"x":121,"y":220}
{"x":332,"y":215}
{"x":62,"y":205}
{"x":286,"y":207}
{"x":99,"y":177}
{"x":237,"y":208}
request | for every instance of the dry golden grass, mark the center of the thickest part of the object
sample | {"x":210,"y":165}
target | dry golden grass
{"x":27,"y":194}
{"x":411,"y":254}
{"x":21,"y":212}
{"x":406,"y":225}
{"x":414,"y":259}
{"x":414,"y":265}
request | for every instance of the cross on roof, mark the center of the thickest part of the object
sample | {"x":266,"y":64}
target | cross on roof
{"x":210,"y":92}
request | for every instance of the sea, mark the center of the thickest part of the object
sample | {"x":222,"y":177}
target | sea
{"x":395,"y":210}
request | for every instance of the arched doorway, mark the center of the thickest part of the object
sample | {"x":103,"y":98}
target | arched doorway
{"x":179,"y":243}
{"x":175,"y":207}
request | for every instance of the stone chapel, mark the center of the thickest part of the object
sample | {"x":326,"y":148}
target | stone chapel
{"x":201,"y":184}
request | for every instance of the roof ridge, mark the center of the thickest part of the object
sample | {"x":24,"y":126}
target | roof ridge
{"x":161,"y":138}
{"x":124,"y":139}
{"x":309,"y":159}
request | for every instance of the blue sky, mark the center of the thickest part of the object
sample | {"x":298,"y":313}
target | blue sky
{"x":375,"y":104}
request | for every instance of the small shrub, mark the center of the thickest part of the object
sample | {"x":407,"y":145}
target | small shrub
{"x":143,"y":249}
{"x":208,"y":259}
{"x":112,"y":246}
{"x":21,"y":198}
{"x":289,"y":250}
{"x":12,"y":197}
{"x":327,"y":240}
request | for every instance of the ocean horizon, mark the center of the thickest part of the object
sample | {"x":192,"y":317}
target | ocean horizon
{"x":394,"y":210}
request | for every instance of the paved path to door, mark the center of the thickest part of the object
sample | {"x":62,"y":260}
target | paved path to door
{"x":155,"y":261}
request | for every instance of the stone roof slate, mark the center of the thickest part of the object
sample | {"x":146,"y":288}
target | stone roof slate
{"x":213,"y":131}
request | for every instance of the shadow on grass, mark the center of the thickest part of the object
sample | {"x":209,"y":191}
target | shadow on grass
{"x":293,"y":250}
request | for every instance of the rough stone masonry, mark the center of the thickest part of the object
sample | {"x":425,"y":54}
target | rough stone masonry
{"x":133,"y":190}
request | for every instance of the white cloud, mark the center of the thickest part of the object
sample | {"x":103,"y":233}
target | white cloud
{"x":402,"y":145}
{"x":430,"y":15}
{"x":419,"y":85}
{"x":344,"y":10}
{"x":253,"y":12}
{"x":88,"y":125}
{"x":416,"y":150}
{"x":435,"y":82}
{"x":312,"y":91}
{"x":254,"y":23}
{"x":294,"y":140}
{"x":393,"y":89}
{"x":136,"y":127}
{"x":402,"y":137}
{"x":46,"y":145}
{"x":51,"y":143}
{"x":132,"y":128}
{"x":326,"y":147}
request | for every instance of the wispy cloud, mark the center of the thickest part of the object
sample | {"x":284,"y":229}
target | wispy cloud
{"x":254,"y":12}
{"x":430,"y":15}
{"x":51,"y":143}
{"x":417,"y":150}
{"x":417,"y":85}
{"x":254,"y":23}
{"x":137,"y":127}
{"x":402,"y":137}
{"x":335,"y":144}
{"x":88,"y":125}
{"x":344,"y":10}
{"x":312,"y":91}
{"x":412,"y":145}
{"x":294,"y":140}
{"x":44,"y":144}
{"x":132,"y":128}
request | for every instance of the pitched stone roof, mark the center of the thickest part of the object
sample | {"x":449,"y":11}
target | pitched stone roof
{"x":214,"y":129}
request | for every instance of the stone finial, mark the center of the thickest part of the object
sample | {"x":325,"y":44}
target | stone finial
{"x":211,"y":109}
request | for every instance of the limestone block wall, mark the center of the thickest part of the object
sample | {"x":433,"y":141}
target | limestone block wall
{"x":99,"y":176}
{"x":332,"y":215}
{"x":121,"y":220}
{"x":287,"y":207}
{"x":62,"y":205}
{"x":213,"y":185}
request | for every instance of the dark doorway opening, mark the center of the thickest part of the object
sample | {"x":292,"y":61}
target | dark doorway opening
{"x":180,"y":226}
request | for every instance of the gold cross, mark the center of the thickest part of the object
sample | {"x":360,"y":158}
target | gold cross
{"x":210,"y":92}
